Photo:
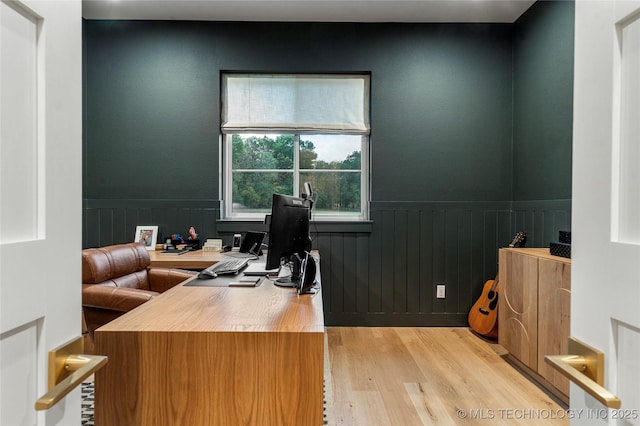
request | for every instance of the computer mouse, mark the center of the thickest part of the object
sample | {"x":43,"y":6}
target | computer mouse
{"x":206,"y":274}
{"x":226,"y":249}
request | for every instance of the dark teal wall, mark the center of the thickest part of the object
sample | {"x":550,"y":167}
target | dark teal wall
{"x":441,"y":113}
{"x":152,"y":102}
{"x":151,"y":111}
{"x":442,"y":150}
{"x":543,"y":102}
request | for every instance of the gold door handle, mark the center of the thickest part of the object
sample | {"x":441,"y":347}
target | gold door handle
{"x":68,"y":367}
{"x":585,"y":367}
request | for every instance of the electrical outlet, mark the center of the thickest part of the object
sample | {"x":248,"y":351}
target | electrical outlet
{"x":440,"y":291}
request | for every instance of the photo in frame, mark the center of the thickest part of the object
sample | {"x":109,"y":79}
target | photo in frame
{"x":148,"y":235}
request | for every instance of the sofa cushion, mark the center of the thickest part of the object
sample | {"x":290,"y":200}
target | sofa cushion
{"x":102,"y":303}
{"x":113,"y":298}
{"x":108,"y":263}
{"x":138,"y":279}
{"x":162,"y":279}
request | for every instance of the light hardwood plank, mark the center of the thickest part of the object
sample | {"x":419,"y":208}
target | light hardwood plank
{"x":430,"y":376}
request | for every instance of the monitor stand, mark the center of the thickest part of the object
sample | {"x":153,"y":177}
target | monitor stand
{"x":284,"y":276}
{"x":299,"y":272}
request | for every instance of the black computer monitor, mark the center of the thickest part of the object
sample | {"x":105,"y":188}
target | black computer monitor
{"x":289,"y":241}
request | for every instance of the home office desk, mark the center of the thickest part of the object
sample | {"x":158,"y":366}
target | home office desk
{"x":198,"y":259}
{"x":214,"y":356}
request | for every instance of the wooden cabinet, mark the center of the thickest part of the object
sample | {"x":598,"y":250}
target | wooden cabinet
{"x":534,"y":311}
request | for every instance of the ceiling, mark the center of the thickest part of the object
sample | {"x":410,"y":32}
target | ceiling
{"x":489,"y":11}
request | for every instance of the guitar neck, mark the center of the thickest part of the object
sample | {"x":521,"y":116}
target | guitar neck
{"x":495,"y":283}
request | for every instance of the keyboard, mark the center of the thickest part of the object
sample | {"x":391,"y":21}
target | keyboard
{"x":240,"y":255}
{"x":229,"y":266}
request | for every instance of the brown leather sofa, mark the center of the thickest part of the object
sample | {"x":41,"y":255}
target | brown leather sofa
{"x":118,"y":278}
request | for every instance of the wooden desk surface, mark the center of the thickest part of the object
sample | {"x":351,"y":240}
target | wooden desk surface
{"x":198,"y":259}
{"x":266,"y":308}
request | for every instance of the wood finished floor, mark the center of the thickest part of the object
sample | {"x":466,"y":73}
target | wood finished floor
{"x":430,"y":376}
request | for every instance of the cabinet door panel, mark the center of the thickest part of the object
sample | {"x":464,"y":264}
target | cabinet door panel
{"x":554,"y":304}
{"x":518,"y":307}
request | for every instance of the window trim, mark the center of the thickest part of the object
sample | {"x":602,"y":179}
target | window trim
{"x":231,"y":124}
{"x":227,"y":182}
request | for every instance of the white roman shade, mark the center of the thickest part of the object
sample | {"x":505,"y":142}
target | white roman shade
{"x":295,"y":103}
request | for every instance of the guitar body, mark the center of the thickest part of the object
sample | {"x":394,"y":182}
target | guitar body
{"x":483,"y":316}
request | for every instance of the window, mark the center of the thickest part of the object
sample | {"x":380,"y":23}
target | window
{"x":280,"y":131}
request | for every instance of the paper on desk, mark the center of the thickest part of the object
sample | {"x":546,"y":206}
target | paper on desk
{"x":257,"y":268}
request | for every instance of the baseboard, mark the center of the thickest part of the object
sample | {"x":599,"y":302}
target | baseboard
{"x":558,"y":397}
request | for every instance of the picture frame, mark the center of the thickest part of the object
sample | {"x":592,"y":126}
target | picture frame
{"x":147,"y":235}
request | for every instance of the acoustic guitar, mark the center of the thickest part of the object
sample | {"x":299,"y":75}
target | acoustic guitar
{"x":519,"y":240}
{"x":483,"y":316}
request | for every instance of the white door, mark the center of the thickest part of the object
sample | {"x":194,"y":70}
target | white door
{"x":605,"y":272}
{"x":40,"y":201}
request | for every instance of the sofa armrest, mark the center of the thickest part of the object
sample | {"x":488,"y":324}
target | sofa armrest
{"x":114,"y":298}
{"x":162,"y":279}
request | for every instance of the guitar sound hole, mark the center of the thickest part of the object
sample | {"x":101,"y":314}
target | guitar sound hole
{"x":493,"y":303}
